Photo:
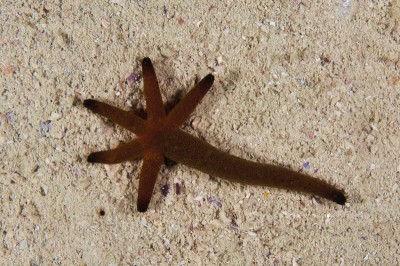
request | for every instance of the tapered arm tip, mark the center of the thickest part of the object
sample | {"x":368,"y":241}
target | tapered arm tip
{"x":339,"y":198}
{"x":142,"y":206}
{"x":146,"y":61}
{"x":90,"y":104}
{"x":209,"y":80}
{"x":92,"y":158}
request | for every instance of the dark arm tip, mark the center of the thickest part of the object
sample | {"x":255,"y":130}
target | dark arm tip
{"x":339,"y":198}
{"x":209,"y":78}
{"x":142,"y":207}
{"x":91,"y":158}
{"x":206,"y":83}
{"x":146,"y":61}
{"x":89,"y":103}
{"x":142,"y":203}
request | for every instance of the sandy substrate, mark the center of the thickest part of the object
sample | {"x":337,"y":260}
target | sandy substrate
{"x":309,"y":85}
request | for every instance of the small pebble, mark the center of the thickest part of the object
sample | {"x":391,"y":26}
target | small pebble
{"x":178,"y":188}
{"x":23,"y":245}
{"x":132,"y":78}
{"x":215,"y":201}
{"x":198,"y":198}
{"x":165,"y":190}
{"x":252,"y":234}
{"x":10,"y":117}
{"x":12,"y":197}
{"x":43,"y":190}
{"x":143,"y":222}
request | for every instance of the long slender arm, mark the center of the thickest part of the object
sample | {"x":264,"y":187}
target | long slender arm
{"x":151,"y":166}
{"x":186,"y":106}
{"x":152,"y":94}
{"x":126,"y":119}
{"x":188,"y":150}
{"x":129,"y":151}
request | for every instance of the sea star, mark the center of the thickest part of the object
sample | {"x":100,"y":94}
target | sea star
{"x":159,"y":136}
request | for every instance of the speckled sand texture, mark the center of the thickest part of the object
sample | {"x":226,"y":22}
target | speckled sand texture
{"x":314,"y":86}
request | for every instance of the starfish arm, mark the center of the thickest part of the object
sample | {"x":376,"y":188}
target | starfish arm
{"x":151,"y":166}
{"x":125,"y":152}
{"x":126,"y":119}
{"x":152,"y":94}
{"x":186,"y":106}
{"x":188,"y":150}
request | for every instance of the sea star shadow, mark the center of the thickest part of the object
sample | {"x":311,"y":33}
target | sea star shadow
{"x":159,"y":136}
